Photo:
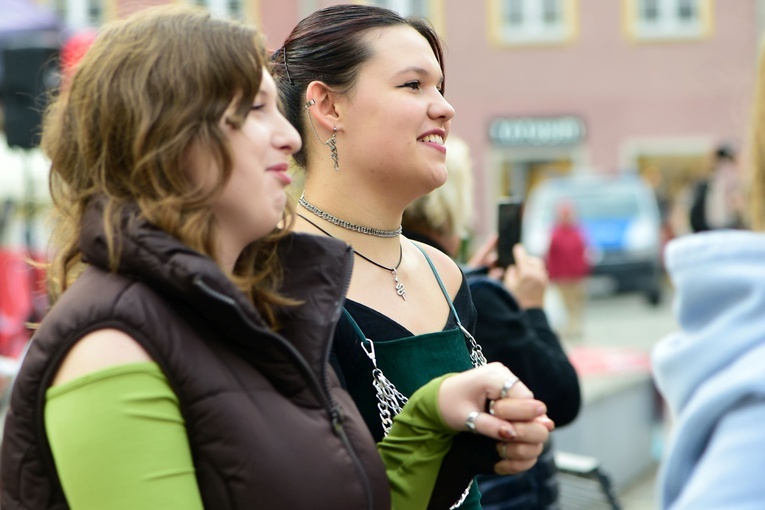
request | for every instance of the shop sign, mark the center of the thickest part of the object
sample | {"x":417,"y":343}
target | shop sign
{"x":537,"y":131}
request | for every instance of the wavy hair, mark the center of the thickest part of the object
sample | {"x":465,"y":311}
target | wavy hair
{"x":148,"y":88}
{"x":329,"y":45}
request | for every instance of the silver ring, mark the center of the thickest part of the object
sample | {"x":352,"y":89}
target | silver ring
{"x":491,"y":407}
{"x":470,"y":421}
{"x":508,"y":386}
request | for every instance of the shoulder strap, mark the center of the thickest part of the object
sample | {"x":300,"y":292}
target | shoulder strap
{"x":355,"y":326}
{"x":441,"y":284}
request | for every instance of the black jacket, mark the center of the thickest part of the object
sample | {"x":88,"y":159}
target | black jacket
{"x":525,"y":343}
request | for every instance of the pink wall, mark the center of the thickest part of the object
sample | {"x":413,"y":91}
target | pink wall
{"x":277,"y":19}
{"x":620,"y":88}
{"x":623,"y":90}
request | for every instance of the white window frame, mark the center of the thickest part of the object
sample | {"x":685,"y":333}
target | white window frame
{"x":532,"y":29}
{"x":222,"y":8}
{"x":76,"y":13}
{"x":668,"y":25}
{"x":434,"y":10}
{"x":405,"y":7}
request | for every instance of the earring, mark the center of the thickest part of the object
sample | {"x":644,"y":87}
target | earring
{"x":332,"y":142}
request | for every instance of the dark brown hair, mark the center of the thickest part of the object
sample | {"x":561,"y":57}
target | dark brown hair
{"x":147,"y":89}
{"x":329,"y":46}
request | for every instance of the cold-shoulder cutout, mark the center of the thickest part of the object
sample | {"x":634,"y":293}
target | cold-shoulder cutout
{"x":99,"y":350}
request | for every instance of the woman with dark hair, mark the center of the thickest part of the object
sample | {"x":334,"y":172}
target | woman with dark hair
{"x":183,"y":364}
{"x":365,"y":88}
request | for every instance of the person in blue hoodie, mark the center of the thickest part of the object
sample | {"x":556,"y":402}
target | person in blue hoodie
{"x":711,"y":371}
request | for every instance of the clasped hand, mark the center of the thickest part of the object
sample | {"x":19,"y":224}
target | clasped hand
{"x":474,"y":400}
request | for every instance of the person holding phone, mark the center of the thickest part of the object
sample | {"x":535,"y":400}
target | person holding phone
{"x":365,"y":88}
{"x":511,"y":323}
{"x":183,"y":364}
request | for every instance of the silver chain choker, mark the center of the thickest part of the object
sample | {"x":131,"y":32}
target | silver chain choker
{"x":347,"y":224}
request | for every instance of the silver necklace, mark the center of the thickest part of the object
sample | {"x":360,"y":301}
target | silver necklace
{"x":347,"y":224}
{"x":400,"y":290}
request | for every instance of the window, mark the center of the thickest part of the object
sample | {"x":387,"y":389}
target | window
{"x":405,"y":7}
{"x":532,"y":21}
{"x":233,"y":9}
{"x":95,"y":12}
{"x":432,"y":10}
{"x":668,"y":19}
{"x":514,"y":13}
{"x":78,"y":14}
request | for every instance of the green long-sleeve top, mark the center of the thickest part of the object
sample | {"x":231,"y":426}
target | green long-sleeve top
{"x":134,"y":452}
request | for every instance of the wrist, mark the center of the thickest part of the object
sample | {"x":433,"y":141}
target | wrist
{"x":527,"y":304}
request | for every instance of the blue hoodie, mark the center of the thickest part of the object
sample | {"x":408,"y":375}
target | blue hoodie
{"x":712,"y":373}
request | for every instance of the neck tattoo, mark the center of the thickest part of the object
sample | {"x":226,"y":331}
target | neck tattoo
{"x":400,"y":290}
{"x":347,"y":224}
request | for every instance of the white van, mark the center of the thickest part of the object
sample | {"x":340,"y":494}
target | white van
{"x":620,"y":218}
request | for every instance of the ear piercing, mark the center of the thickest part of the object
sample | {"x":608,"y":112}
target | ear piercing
{"x":332,"y":142}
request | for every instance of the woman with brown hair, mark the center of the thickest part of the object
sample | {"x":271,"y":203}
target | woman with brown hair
{"x":365,"y":88}
{"x":183,"y":364}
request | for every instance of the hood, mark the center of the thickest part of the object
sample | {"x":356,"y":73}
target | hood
{"x":713,"y":365}
{"x":719,"y":280}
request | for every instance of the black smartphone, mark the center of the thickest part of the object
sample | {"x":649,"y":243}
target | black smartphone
{"x":510,"y":211}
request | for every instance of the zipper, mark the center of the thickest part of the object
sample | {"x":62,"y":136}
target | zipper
{"x":334,"y":411}
{"x":218,"y":296}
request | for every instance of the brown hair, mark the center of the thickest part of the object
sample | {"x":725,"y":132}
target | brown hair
{"x":329,"y":46}
{"x":149,"y":87}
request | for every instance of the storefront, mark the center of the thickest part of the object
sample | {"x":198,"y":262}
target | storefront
{"x":527,"y":150}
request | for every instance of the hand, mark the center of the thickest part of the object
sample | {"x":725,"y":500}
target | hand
{"x":518,"y":421}
{"x":527,"y":279}
{"x":486,"y":255}
{"x":521,"y":453}
{"x":470,"y":391}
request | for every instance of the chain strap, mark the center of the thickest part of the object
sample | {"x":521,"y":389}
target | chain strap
{"x":476,"y":351}
{"x":390,"y":401}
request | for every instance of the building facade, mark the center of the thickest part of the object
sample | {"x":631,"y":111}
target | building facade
{"x":549,"y":87}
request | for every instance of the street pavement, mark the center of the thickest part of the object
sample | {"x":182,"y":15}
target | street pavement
{"x":623,"y":329}
{"x":627,"y":320}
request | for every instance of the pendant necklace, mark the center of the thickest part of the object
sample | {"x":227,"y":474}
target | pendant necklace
{"x":400,"y":290}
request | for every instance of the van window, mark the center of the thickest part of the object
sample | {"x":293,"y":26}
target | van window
{"x":612,"y":203}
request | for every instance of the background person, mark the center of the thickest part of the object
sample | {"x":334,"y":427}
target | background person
{"x":717,"y":199}
{"x":568,"y":267}
{"x":511,"y":324}
{"x":184,"y":360}
{"x":365,"y":88}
